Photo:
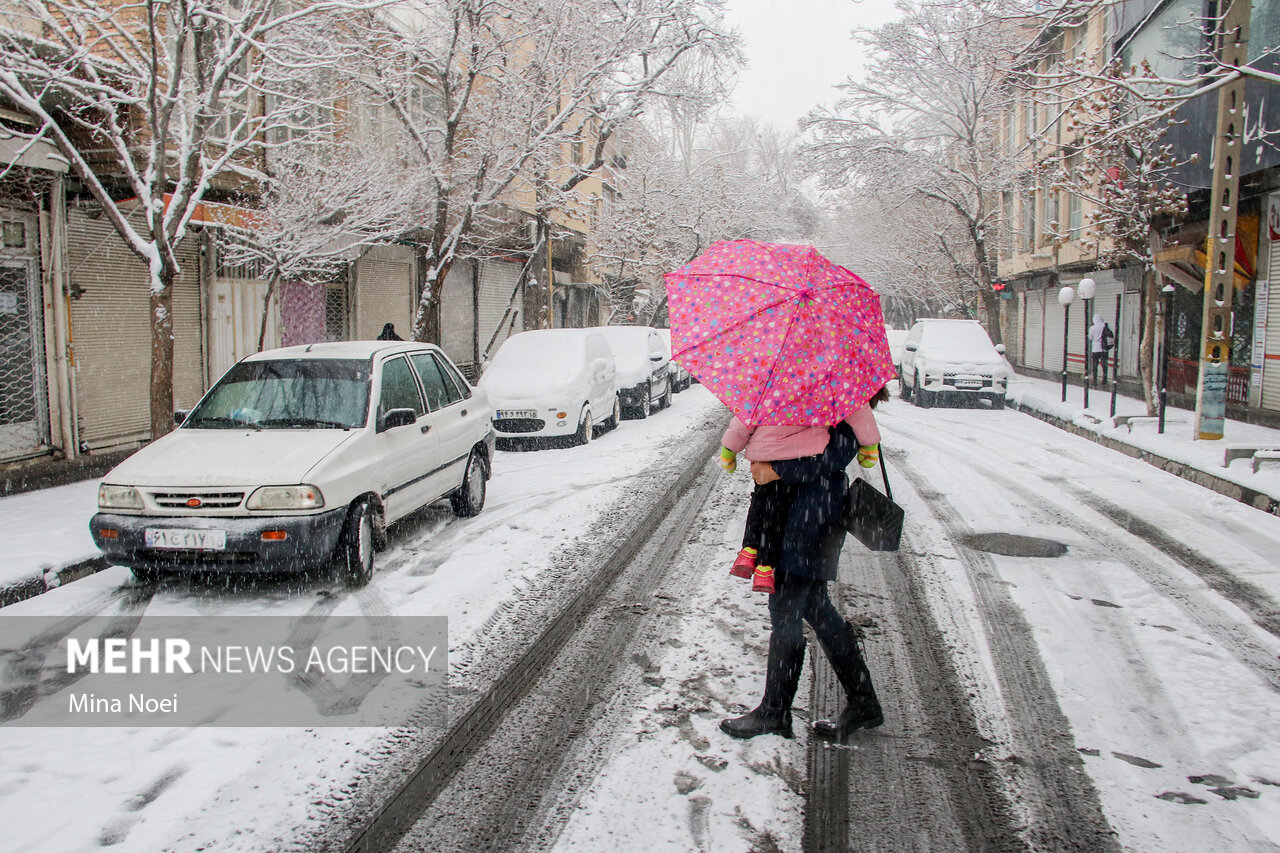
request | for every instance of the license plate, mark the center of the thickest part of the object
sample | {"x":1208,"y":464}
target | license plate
{"x":969,"y":383}
{"x":515,"y":413}
{"x":183,"y":539}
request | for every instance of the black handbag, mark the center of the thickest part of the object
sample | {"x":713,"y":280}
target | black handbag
{"x":871,"y":516}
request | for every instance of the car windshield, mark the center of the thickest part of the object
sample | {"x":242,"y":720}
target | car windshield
{"x":957,"y":339}
{"x":629,"y":346}
{"x":317,"y":393}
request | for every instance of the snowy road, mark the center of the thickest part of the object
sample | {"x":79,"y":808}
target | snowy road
{"x":1123,"y":694}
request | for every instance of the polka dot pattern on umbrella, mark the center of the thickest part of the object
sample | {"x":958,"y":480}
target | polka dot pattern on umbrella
{"x":778,"y":333}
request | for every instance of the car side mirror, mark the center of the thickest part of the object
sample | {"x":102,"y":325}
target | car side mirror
{"x":180,"y":416}
{"x":1000,"y":349}
{"x":393,"y":418}
{"x":911,"y":346}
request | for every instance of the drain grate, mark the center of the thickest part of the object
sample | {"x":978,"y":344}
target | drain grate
{"x":1012,"y":545}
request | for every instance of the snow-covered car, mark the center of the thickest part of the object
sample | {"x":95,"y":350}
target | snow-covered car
{"x":553,"y":383}
{"x":897,"y":338}
{"x":298,"y":457}
{"x":952,"y":357}
{"x":644,"y":375}
{"x":680,"y":378}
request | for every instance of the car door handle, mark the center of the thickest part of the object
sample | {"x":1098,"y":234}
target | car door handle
{"x":426,"y":428}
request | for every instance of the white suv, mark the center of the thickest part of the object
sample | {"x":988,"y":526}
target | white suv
{"x":953,"y":357}
{"x":299,"y":456}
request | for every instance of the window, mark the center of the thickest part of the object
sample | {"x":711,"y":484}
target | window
{"x":1027,"y":237}
{"x":1171,"y":40}
{"x":451,"y":372}
{"x":1007,"y":220}
{"x":433,"y":382}
{"x":1075,"y":218}
{"x":335,"y":312}
{"x":399,"y":389}
{"x":1049,"y":215}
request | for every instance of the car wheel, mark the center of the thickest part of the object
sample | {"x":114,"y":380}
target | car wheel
{"x":468,"y":499}
{"x":924,"y":399}
{"x":665,"y":401}
{"x":355,"y":548}
{"x":586,"y":429}
{"x":616,"y":417}
{"x":645,"y":406}
{"x":904,"y":391}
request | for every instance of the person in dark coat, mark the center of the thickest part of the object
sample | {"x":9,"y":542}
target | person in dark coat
{"x":389,"y":333}
{"x":811,"y":548}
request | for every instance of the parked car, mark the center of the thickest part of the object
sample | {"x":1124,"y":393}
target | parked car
{"x":897,"y":337}
{"x":298,"y":457}
{"x":553,"y":383}
{"x":680,"y":378}
{"x":644,"y":375}
{"x":952,"y":357}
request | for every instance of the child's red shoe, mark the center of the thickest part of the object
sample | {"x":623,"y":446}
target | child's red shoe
{"x":762,"y":580}
{"x":745,"y":564}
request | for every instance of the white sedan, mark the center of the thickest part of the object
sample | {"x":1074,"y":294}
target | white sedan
{"x":300,"y":456}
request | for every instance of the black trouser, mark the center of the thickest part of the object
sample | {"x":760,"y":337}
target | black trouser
{"x":767,"y":521}
{"x":797,"y":600}
{"x":1099,"y":358}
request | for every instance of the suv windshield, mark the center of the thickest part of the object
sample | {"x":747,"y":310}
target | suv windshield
{"x":287,"y":394}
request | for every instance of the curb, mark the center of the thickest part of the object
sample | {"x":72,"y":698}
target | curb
{"x":1226,"y":488}
{"x":50,"y":579}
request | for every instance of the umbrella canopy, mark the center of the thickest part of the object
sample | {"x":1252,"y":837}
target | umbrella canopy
{"x":778,"y":333}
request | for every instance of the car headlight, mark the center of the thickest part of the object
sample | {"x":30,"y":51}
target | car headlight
{"x":286,"y":497}
{"x":118,"y":497}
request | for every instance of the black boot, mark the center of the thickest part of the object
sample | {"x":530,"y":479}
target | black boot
{"x":782,"y":677}
{"x":758,"y":722}
{"x":863,"y":708}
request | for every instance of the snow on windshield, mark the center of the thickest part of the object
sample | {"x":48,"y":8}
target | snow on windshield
{"x":630,"y":345}
{"x":533,"y":364}
{"x":287,"y":394}
{"x":969,"y":338}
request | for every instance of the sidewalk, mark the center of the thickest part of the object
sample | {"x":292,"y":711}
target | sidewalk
{"x":1175,"y":450}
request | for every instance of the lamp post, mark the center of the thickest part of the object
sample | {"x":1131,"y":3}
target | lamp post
{"x":1166,"y":335}
{"x":1087,"y":288}
{"x":1065,"y":297}
{"x":1115,"y":366}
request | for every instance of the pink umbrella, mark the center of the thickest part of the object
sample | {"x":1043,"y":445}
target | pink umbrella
{"x":778,"y":333}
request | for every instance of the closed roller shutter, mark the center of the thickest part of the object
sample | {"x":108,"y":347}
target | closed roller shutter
{"x":1033,"y":335}
{"x":1271,"y":353}
{"x":498,"y":281}
{"x":384,"y":292}
{"x":457,"y":317}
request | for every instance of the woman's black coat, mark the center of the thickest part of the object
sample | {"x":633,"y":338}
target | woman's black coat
{"x":814,"y":535}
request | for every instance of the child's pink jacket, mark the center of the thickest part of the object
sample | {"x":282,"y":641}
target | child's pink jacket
{"x":770,"y":443}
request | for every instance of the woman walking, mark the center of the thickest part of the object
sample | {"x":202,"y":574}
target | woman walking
{"x":810,"y":558}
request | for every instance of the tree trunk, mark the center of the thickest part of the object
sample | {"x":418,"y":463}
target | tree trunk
{"x":266,"y":310}
{"x":1146,"y":352}
{"x":162,"y":355}
{"x":425,"y":326}
{"x":991,"y":301}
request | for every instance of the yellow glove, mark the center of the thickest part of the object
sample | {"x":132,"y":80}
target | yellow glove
{"x":728,"y":460}
{"x":869,"y":455}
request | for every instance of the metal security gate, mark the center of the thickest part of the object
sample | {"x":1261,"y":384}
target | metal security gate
{"x":24,"y":410}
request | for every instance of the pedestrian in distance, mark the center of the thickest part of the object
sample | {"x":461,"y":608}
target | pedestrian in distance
{"x":1101,"y":341}
{"x":389,"y":333}
{"x":771,"y":503}
{"x":809,"y":558}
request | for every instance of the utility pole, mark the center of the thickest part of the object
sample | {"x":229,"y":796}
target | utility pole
{"x":1231,"y":44}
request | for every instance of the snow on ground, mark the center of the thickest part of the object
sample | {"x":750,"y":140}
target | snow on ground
{"x":46,"y":530}
{"x":676,"y":782}
{"x":1177,"y":442}
{"x":251,"y":789}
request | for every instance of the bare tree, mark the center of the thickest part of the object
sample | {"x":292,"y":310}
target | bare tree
{"x":926,"y":121}
{"x":157,"y":103}
{"x":322,"y":206}
{"x":499,"y":96}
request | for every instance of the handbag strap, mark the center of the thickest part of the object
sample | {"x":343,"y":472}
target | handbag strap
{"x":884,"y":472}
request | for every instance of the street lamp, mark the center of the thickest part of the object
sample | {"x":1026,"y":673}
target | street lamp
{"x":1166,"y":336}
{"x":1087,"y":288}
{"x":1065,"y":297}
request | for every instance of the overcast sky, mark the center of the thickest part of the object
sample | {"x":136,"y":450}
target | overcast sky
{"x":798,"y":50}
